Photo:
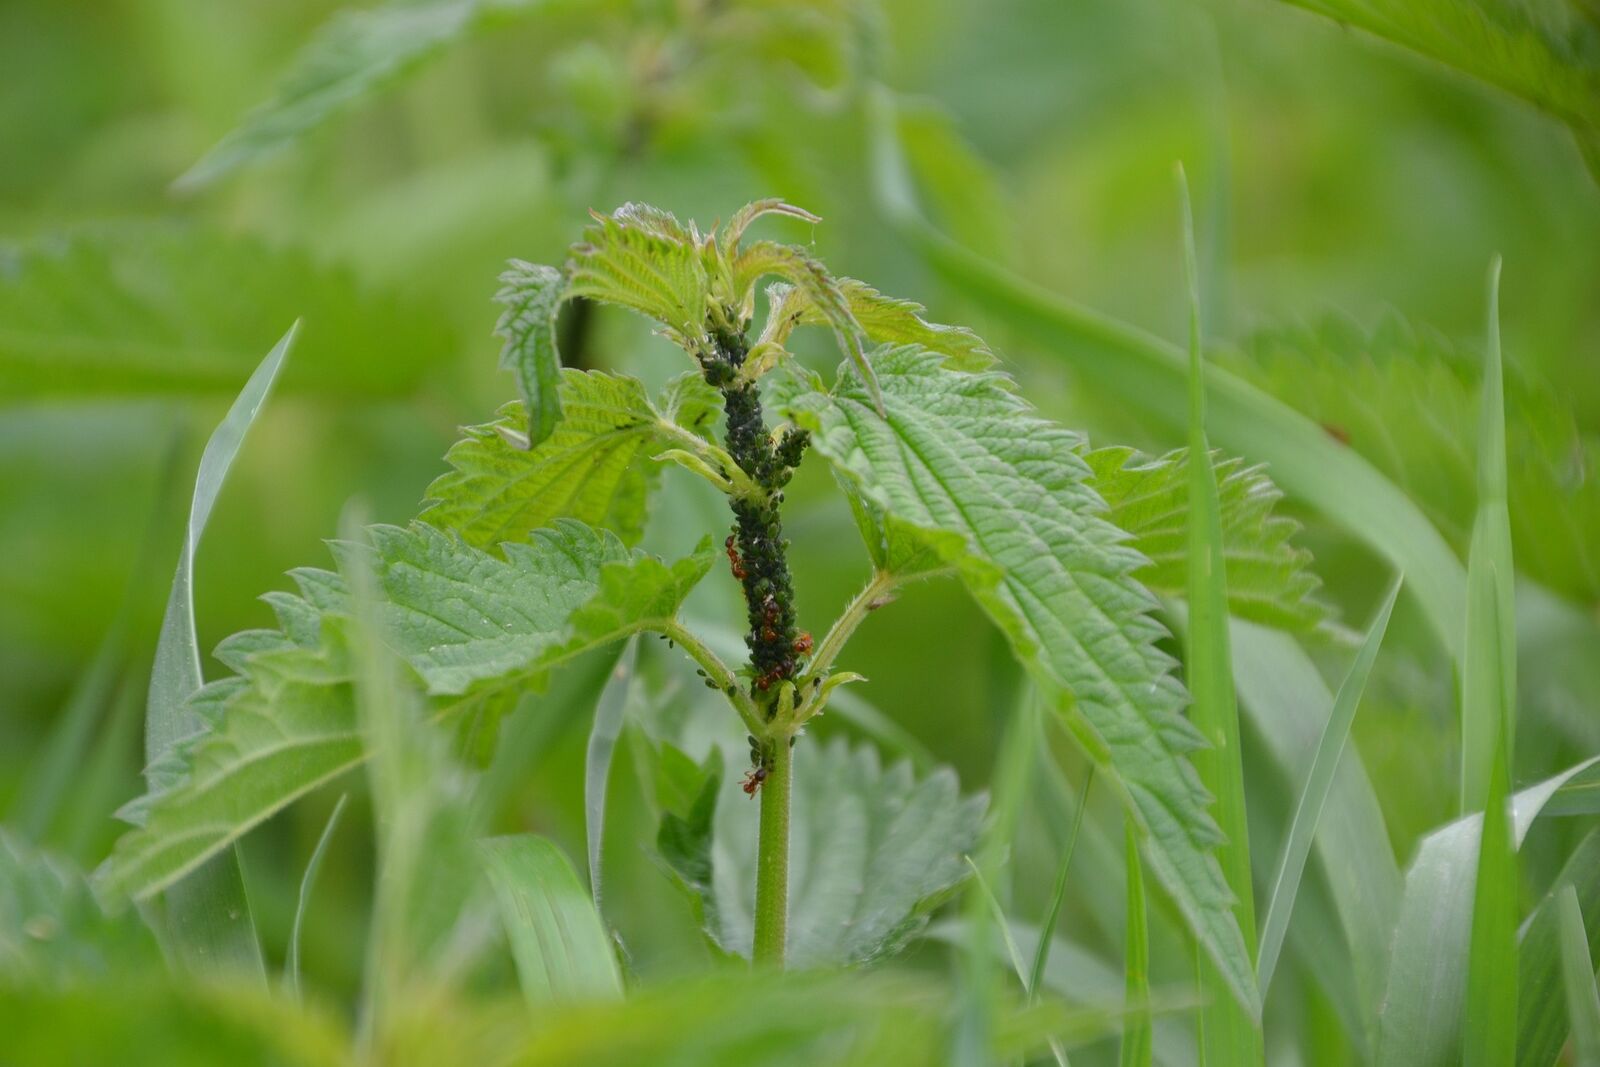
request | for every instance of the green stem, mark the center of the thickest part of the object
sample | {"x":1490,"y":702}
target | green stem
{"x":866,"y":601}
{"x":772,"y":858}
{"x":717,"y":672}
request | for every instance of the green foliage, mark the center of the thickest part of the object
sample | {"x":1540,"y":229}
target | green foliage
{"x":1150,"y":375}
{"x":1011,"y":507}
{"x":560,"y":944}
{"x":118,"y":312}
{"x":1227,"y":1034}
{"x":591,"y":468}
{"x":1319,"y":785}
{"x":1136,"y":1037}
{"x":474,"y":629}
{"x":1422,"y":1022}
{"x":532,"y":295}
{"x":644,"y":259}
{"x":358,"y":51}
{"x":1269,"y":577}
{"x":53,"y":933}
{"x":1367,"y":388}
{"x":874,"y":849}
{"x":1546,"y":1014}
{"x":1546,"y":53}
{"x":1577,"y":969}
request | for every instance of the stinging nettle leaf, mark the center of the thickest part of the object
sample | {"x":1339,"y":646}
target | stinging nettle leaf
{"x":872,"y":850}
{"x":1270,"y":580}
{"x":475,"y":630}
{"x":1010,"y":505}
{"x":593,"y":467}
{"x":821,"y":294}
{"x":642,"y":258}
{"x":532,"y":296}
{"x":887,"y":320}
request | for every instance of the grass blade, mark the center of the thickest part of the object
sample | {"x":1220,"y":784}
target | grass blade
{"x":1010,"y":943}
{"x":1490,"y":1037}
{"x":1314,"y":797}
{"x":1489,"y":669}
{"x":1351,"y":890}
{"x":1488,"y":725}
{"x":538,"y":723}
{"x":556,"y":934}
{"x":207,"y":915}
{"x":1047,"y":932}
{"x":1150,"y":375}
{"x":1421,"y":1023}
{"x":1228,"y":1035}
{"x":1577,"y":970}
{"x":608,"y":717}
{"x":308,"y":881}
{"x":1137,"y":1042}
{"x":1543,"y":1018}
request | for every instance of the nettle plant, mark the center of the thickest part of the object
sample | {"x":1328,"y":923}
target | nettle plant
{"x":521,"y":561}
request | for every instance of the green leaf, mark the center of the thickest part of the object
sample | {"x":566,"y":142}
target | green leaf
{"x":642,"y":258}
{"x":1364,"y":386}
{"x":151,"y":1021}
{"x":208,"y":919}
{"x":473,"y":628}
{"x":1422,"y":1019}
{"x":1543,"y":53}
{"x":532,"y":295}
{"x":818,"y":292}
{"x":1150,"y":375}
{"x":1269,"y":578}
{"x":1137,"y":1043}
{"x":426,"y":872}
{"x":609,"y":715}
{"x":356,"y":53}
{"x":1489,"y":669}
{"x":872,"y":850}
{"x":1058,"y":896}
{"x":1488,"y":724}
{"x":888,"y":320}
{"x":594,"y":466}
{"x":1544,"y":1011}
{"x":964,"y":469}
{"x":308,"y":881}
{"x":53,"y":932}
{"x":1577,"y":970}
{"x":1490,"y":1038}
{"x":1350,"y":895}
{"x":557,"y":938}
{"x":1314,"y":797}
{"x":154,"y":309}
{"x":1228,"y":1035}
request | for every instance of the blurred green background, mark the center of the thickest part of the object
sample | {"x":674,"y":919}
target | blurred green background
{"x":1349,"y":195}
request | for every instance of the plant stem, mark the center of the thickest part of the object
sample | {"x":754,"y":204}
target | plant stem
{"x":866,"y":601}
{"x":717,"y":672}
{"x":772,"y":858}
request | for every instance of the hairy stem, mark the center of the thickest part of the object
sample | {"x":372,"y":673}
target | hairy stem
{"x":716,"y":672}
{"x":772,"y":857}
{"x":865,"y":602}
